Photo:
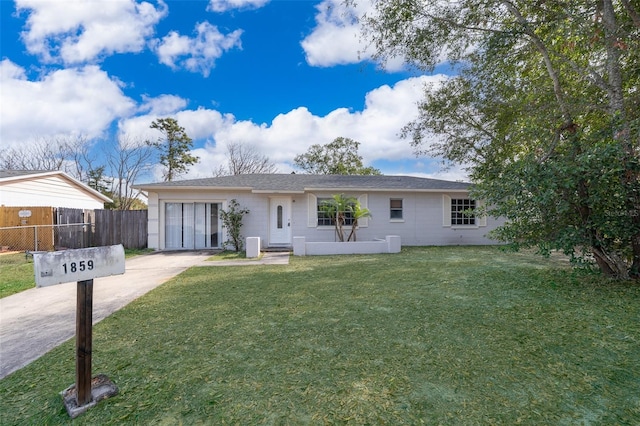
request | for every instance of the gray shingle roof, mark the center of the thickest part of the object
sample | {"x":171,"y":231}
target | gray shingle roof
{"x":302,"y":182}
{"x":16,"y":173}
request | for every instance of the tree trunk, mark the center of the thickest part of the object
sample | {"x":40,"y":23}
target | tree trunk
{"x":339,"y":226}
{"x":635,"y":264}
{"x":352,"y":234}
{"x":610,"y":264}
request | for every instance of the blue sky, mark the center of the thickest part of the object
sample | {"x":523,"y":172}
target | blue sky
{"x":275,"y":75}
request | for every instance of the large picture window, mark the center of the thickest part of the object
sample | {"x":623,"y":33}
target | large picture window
{"x":462,"y":211}
{"x":318,"y":217}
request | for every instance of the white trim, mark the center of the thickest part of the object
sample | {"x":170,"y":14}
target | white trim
{"x":364,"y":203}
{"x":446,"y":210}
{"x":312,"y":211}
{"x":482,"y":220}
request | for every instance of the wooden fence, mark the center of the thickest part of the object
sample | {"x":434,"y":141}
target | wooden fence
{"x":127,"y":227}
{"x":46,"y":228}
{"x":25,"y":216}
{"x":22,"y":228}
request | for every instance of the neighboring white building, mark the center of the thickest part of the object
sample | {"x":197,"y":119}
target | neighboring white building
{"x":24,"y":188}
{"x":185,"y":214}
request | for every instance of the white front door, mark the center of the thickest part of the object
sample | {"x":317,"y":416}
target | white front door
{"x":280,"y":221}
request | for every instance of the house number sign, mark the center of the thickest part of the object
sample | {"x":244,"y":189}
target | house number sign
{"x":81,"y":265}
{"x":77,"y":265}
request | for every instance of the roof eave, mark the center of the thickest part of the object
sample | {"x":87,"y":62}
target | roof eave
{"x":83,"y":187}
{"x":432,"y":190}
{"x":30,"y":175}
{"x":152,"y":187}
{"x":278,"y":191}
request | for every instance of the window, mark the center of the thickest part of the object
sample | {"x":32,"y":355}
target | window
{"x":191,"y":225}
{"x":324,"y":219}
{"x":318,"y":218}
{"x":395,"y":208}
{"x":461,"y":211}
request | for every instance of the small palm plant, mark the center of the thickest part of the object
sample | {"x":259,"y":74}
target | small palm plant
{"x":340,"y":209}
{"x":335,"y":208}
{"x":357,"y":212}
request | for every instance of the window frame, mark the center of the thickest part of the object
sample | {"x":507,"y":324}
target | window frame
{"x":458,"y":216}
{"x":396,"y":209}
{"x":324,"y":221}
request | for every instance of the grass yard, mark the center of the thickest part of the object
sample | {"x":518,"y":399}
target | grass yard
{"x":16,"y":273}
{"x":456,"y":335}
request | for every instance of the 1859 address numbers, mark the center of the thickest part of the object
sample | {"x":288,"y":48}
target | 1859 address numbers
{"x":81,"y":266}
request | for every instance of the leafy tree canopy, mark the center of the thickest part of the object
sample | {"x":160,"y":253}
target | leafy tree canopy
{"x":545,"y":110}
{"x":339,"y":157}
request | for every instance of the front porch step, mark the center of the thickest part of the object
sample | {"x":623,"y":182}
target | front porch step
{"x":277,"y":250}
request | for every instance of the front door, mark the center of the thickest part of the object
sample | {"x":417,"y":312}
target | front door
{"x":280,"y":221}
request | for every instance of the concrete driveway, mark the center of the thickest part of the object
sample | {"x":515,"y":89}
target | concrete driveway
{"x":37,"y":320}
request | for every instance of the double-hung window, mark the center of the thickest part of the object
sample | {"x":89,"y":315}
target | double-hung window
{"x":395,"y":209}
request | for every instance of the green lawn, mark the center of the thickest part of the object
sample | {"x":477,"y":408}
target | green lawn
{"x":456,"y":335}
{"x":16,"y":273}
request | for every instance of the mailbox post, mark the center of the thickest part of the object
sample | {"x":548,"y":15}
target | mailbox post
{"x":81,"y":265}
{"x":84,"y":342}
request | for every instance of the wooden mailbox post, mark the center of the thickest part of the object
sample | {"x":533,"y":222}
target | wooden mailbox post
{"x":81,"y":265}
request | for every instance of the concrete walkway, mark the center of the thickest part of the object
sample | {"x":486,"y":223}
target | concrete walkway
{"x":37,"y":320}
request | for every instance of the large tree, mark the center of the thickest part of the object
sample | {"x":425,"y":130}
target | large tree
{"x":243,"y":159}
{"x":174,"y":146}
{"x":339,"y":157}
{"x":545,"y":110}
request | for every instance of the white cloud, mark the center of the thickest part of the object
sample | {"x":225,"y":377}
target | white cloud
{"x":10,"y":71}
{"x":225,"y":5}
{"x":85,"y":101}
{"x":197,"y":54}
{"x":83,"y":31}
{"x":81,"y":101}
{"x":337,"y":39}
{"x":199,"y":124}
{"x":162,"y":105}
{"x":387,"y":109}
